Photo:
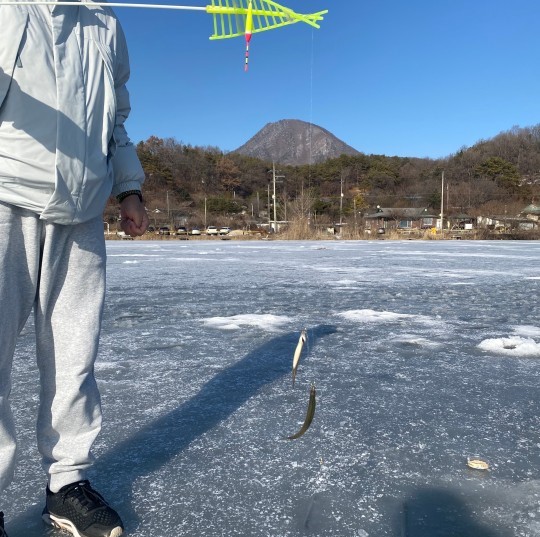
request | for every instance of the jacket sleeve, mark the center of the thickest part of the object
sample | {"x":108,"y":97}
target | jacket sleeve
{"x":13,"y":24}
{"x":127,"y":169}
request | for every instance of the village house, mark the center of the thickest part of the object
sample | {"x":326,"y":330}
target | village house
{"x":531,"y":212}
{"x":400,"y":218}
{"x":527,"y":219}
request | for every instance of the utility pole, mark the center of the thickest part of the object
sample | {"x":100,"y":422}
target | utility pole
{"x":442,"y":202}
{"x":274,"y":197}
{"x":341,"y":204}
{"x":274,"y":177}
{"x":355,"y":222}
{"x":268,"y":211}
{"x":204,"y":188}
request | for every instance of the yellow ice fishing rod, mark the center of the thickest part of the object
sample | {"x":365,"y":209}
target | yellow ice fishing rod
{"x":232,"y":18}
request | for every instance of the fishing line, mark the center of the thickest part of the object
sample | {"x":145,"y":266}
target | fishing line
{"x":311,"y":98}
{"x":312,"y":63}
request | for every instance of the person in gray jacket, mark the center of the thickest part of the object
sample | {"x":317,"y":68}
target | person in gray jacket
{"x":63,"y":152}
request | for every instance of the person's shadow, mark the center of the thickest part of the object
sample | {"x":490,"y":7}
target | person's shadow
{"x":438,"y":512}
{"x":154,"y":445}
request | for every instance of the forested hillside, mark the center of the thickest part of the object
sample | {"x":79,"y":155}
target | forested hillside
{"x":493,"y":177}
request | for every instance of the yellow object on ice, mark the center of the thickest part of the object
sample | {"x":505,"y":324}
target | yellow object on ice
{"x":477,"y":464}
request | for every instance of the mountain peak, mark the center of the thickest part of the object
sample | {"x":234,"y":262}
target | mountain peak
{"x":294,"y":142}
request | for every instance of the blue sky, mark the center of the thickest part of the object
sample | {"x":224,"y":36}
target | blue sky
{"x":418,"y":78}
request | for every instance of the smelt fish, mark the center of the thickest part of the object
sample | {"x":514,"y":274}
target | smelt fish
{"x":297,"y":353}
{"x":309,"y":415}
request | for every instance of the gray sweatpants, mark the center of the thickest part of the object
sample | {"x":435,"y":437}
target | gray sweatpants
{"x":59,"y":271}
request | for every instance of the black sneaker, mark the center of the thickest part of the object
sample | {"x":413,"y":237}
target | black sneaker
{"x":79,"y":509}
{"x":2,"y":530}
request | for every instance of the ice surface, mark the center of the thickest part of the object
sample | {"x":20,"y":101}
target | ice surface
{"x":423,"y":354}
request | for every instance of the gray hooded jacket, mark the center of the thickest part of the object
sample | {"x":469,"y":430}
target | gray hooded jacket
{"x":92,"y":156}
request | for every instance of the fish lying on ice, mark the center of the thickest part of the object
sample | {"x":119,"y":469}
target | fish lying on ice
{"x":309,"y":415}
{"x":298,"y":352}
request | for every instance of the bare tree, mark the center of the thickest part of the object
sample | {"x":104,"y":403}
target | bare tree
{"x":300,"y":212}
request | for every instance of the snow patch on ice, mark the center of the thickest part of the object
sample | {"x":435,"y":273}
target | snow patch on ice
{"x":132,"y":255}
{"x":416,"y":341}
{"x":235,"y":322}
{"x":511,"y":346}
{"x":527,"y":330}
{"x":372,"y":316}
{"x":105,"y":366}
{"x":344,"y":282}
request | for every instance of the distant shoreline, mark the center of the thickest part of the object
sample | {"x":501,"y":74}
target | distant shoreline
{"x":391,"y":235}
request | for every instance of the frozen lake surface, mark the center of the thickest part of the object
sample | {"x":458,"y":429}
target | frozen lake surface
{"x":423,"y":354}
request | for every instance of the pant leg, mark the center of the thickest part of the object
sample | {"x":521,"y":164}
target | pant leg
{"x":20,"y":236}
{"x":68,"y":316}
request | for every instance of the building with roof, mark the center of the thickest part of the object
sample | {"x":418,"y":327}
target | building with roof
{"x":401,"y":218}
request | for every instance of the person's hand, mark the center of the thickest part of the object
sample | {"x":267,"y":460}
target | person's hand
{"x":134,"y":219}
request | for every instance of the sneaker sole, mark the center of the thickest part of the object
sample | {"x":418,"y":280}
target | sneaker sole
{"x":67,"y":525}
